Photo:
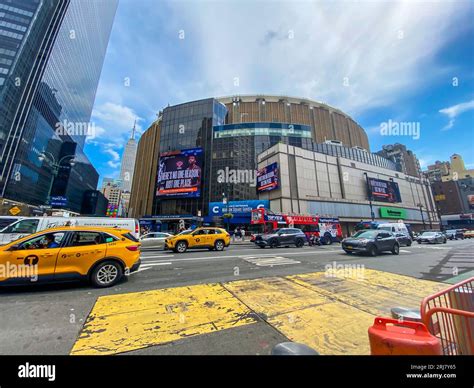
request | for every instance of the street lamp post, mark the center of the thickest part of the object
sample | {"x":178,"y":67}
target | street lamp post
{"x":422,"y":218}
{"x":369,"y":195}
{"x":55,"y":166}
{"x":438,"y":211}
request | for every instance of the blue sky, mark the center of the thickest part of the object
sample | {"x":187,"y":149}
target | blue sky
{"x":399,"y":62}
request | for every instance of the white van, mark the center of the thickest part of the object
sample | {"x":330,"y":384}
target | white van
{"x":395,"y":227}
{"x":31,"y":225}
{"x":7,"y":220}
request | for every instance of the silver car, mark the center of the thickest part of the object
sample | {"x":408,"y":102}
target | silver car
{"x":154,"y":240}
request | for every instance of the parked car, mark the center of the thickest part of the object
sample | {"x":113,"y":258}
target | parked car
{"x":403,"y":239}
{"x":454,"y":234}
{"x":431,"y":238}
{"x":101,"y":256}
{"x":281,"y":237}
{"x":372,"y":242}
{"x":154,"y":240}
{"x":210,"y":238}
{"x":468,"y":234}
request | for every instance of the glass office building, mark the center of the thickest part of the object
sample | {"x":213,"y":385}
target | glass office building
{"x":45,"y":86}
{"x":188,"y":126}
{"x":235,"y":149}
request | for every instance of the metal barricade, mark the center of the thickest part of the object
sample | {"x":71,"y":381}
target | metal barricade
{"x":449,"y":315}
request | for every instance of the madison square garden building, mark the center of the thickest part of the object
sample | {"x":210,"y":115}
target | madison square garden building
{"x":204,"y":158}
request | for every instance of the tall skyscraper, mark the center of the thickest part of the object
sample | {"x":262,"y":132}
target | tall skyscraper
{"x":46,"y":96}
{"x":128,"y":162}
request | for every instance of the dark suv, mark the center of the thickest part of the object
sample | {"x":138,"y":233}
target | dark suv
{"x":281,"y":237}
{"x":371,"y":242}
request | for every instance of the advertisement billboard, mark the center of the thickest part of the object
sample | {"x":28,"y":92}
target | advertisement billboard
{"x":180,"y":173}
{"x":383,"y":191}
{"x":267,"y":178}
{"x":112,"y":210}
{"x":237,"y":208}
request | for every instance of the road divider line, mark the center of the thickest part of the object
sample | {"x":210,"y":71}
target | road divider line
{"x":155,"y":257}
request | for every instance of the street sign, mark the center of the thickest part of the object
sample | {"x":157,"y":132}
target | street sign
{"x":15,"y":210}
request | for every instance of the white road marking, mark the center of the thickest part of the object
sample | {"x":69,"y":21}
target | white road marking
{"x":429,"y":247}
{"x":139,"y":270}
{"x":155,"y":263}
{"x":155,"y":257}
{"x":305,"y":253}
{"x":270,"y":261}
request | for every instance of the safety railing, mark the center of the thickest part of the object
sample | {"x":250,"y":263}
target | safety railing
{"x":449,"y":315}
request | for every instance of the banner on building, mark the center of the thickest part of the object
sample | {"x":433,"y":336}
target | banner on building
{"x":383,"y":191}
{"x":180,"y":173}
{"x":267,"y":178}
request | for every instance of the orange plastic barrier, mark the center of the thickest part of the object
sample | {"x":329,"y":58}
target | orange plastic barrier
{"x":391,"y":337}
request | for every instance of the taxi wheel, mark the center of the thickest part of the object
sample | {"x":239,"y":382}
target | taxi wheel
{"x":181,"y":247}
{"x":219,"y":245}
{"x":106,"y":274}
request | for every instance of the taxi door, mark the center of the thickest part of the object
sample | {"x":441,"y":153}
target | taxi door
{"x":200,"y":238}
{"x":30,"y":260}
{"x":82,"y":250}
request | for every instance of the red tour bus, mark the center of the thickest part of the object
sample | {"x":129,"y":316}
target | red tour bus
{"x":328,"y":229}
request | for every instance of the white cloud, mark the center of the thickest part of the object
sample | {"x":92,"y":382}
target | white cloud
{"x":117,"y":117}
{"x":454,"y":111}
{"x":308,"y":48}
{"x":97,"y":132}
{"x":386,"y":50}
{"x":114,"y":165}
{"x":114,"y":154}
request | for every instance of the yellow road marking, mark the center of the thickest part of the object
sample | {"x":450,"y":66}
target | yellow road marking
{"x":271,"y":296}
{"x":121,"y":323}
{"x":376,"y":292}
{"x":331,"y":328}
{"x":329,"y":313}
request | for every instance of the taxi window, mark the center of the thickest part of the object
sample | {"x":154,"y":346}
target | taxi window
{"x":86,"y":238}
{"x":47,"y":240}
{"x":211,"y":231}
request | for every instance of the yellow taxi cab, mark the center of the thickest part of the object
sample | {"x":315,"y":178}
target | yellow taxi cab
{"x":99,"y":255}
{"x":203,"y":237}
{"x":468,"y":234}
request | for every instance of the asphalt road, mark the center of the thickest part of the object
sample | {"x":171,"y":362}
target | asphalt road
{"x":47,"y":319}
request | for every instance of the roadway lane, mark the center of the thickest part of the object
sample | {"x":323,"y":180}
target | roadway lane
{"x":47,"y":319}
